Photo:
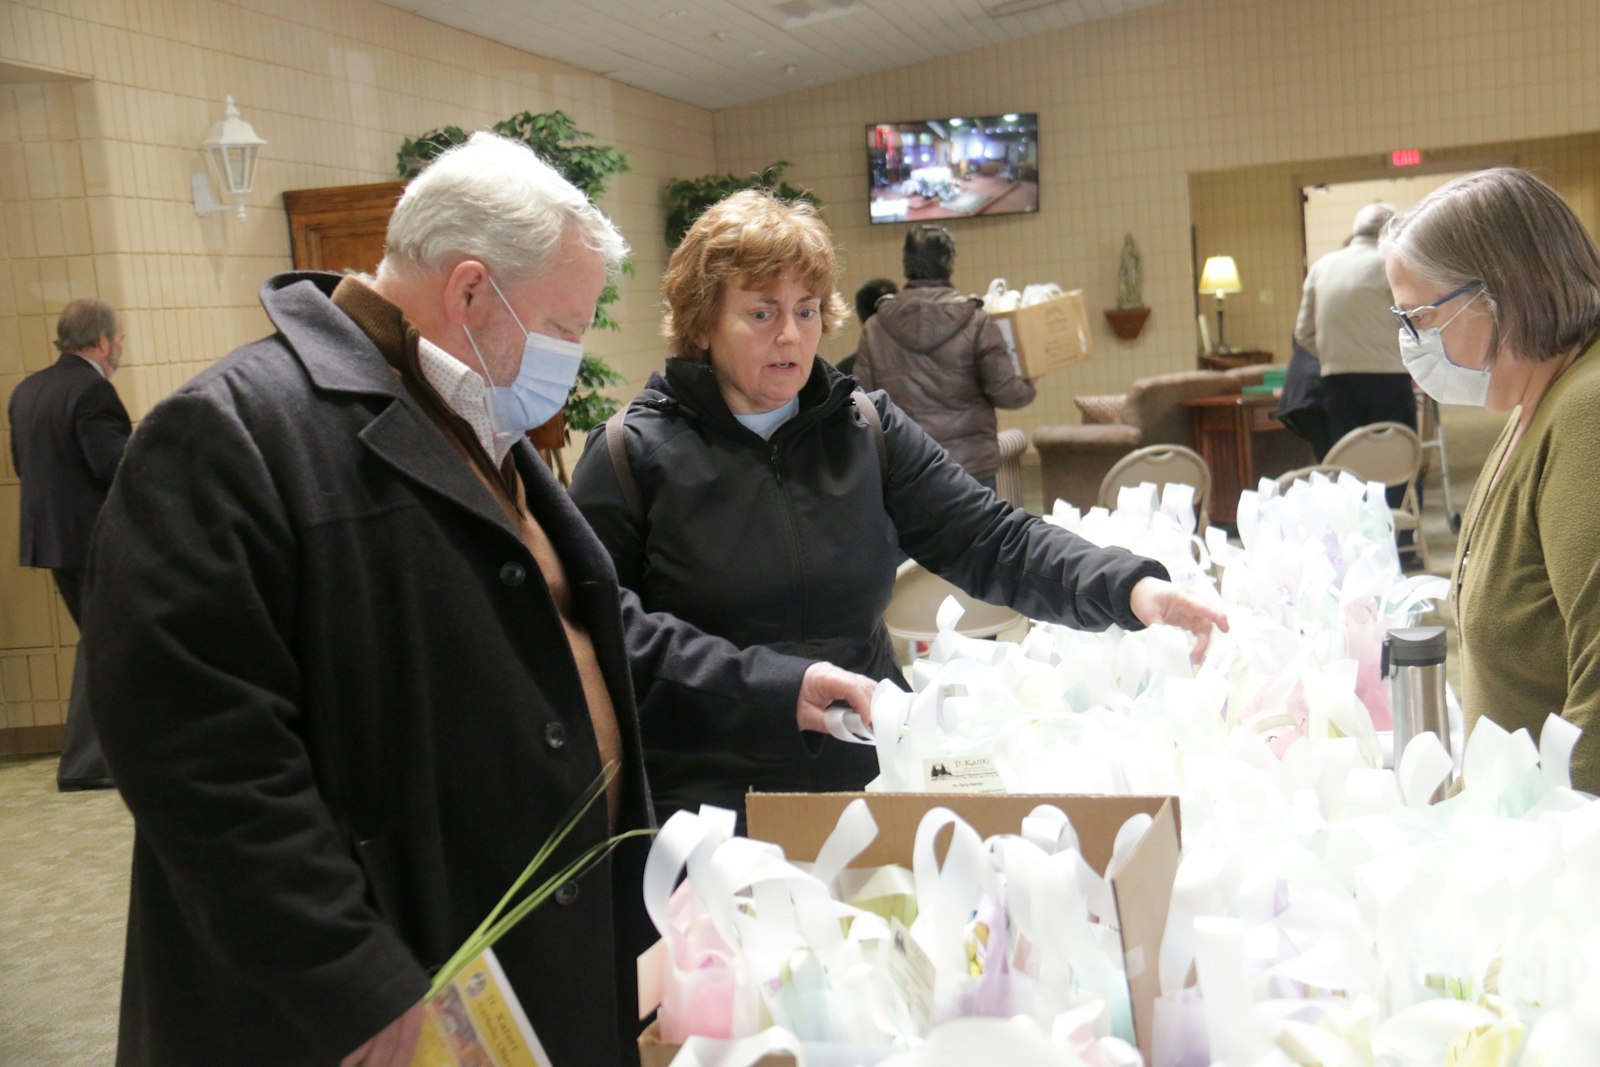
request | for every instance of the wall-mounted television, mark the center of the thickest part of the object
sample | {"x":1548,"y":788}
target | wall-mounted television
{"x":953,"y":168}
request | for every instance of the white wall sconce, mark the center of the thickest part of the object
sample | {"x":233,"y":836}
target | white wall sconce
{"x":231,"y":148}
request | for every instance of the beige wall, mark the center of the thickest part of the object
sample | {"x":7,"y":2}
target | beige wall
{"x":94,"y":194}
{"x":1330,"y":209}
{"x":1130,"y":107}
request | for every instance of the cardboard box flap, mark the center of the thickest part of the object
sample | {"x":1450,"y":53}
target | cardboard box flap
{"x":1142,"y":889}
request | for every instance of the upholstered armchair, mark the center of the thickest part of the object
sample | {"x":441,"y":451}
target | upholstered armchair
{"x":1073,"y":460}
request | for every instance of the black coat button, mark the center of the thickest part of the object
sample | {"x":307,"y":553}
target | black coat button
{"x":566,"y":893}
{"x":555,"y":735}
{"x":513,"y":573}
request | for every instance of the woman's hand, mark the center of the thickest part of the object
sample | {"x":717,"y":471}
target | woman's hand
{"x":826,"y":684}
{"x":1157,"y":602}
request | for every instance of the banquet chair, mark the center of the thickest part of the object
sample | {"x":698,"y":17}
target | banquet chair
{"x":918,"y":592}
{"x":1160,"y":464}
{"x":1008,"y":479}
{"x":1391,"y":453}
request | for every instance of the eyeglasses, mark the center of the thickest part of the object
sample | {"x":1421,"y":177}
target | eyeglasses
{"x":1405,"y":317}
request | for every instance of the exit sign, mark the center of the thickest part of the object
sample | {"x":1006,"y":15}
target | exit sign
{"x":1405,"y":157}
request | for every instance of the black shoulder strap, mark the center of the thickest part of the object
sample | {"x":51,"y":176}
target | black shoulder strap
{"x":870,"y":414}
{"x":623,"y":469}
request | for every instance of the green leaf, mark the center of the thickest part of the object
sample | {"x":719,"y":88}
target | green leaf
{"x":499,"y":921}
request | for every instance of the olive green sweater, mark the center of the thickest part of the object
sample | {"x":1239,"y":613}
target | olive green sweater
{"x":1527,"y":581}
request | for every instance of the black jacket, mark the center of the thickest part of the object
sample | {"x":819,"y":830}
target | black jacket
{"x":68,"y":430}
{"x":336,"y":694}
{"x":793,"y":543}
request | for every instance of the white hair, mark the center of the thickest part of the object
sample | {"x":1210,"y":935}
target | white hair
{"x":493,"y":200}
{"x":1370,"y":219}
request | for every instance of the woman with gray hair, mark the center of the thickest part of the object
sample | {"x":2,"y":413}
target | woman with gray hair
{"x":1502,"y":263}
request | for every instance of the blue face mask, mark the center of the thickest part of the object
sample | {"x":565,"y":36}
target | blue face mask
{"x":545,"y":377}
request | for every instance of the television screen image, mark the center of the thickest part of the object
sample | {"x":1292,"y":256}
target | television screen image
{"x":953,"y":168}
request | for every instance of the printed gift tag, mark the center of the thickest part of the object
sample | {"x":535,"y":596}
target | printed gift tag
{"x":961,"y":774}
{"x":477,"y":1021}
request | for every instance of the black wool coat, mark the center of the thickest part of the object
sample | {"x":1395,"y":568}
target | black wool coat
{"x":338,"y":698}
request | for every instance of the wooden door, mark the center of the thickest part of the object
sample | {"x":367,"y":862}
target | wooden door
{"x":340,"y":228}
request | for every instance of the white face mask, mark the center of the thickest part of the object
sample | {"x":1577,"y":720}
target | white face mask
{"x":545,"y":376}
{"x":1446,"y":382}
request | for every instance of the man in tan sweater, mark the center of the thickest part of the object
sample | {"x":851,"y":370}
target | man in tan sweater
{"x":1344,"y":321}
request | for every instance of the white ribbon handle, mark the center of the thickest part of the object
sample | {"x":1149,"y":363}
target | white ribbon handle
{"x":670,"y":851}
{"x":855,"y":830}
{"x":846,"y":725}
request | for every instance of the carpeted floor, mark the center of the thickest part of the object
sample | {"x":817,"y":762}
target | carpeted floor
{"x":64,"y":864}
{"x":64,"y":884}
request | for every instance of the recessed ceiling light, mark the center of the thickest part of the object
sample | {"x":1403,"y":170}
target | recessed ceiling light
{"x":721,"y":35}
{"x":790,"y":68}
{"x":759,"y":52}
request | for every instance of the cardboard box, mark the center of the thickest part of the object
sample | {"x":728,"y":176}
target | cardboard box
{"x":801,"y":822}
{"x":1047,"y":336}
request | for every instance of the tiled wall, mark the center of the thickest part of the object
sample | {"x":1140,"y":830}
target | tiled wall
{"x":94,"y":194}
{"x":1130,"y":107}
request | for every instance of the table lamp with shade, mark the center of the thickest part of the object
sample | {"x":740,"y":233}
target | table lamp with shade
{"x":1220,"y":277}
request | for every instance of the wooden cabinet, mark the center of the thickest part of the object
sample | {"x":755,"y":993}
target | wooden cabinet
{"x":1241,"y":440}
{"x":340,"y":228}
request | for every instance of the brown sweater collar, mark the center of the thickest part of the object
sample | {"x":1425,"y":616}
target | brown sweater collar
{"x":387,"y":327}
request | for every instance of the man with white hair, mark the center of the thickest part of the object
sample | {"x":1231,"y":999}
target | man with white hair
{"x":1345,"y":322}
{"x":359,"y":654}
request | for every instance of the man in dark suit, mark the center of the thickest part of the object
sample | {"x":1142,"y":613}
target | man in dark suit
{"x":68,"y":430}
{"x":355,"y":652}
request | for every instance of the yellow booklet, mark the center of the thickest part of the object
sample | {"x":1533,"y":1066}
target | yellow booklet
{"x":477,"y":1021}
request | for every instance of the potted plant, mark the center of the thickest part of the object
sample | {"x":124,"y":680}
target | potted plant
{"x":554,"y":138}
{"x":1127,"y":318}
{"x":685,"y":199}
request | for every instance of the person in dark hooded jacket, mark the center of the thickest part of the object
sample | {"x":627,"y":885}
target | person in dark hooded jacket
{"x":760,"y":497}
{"x":941,"y":358}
